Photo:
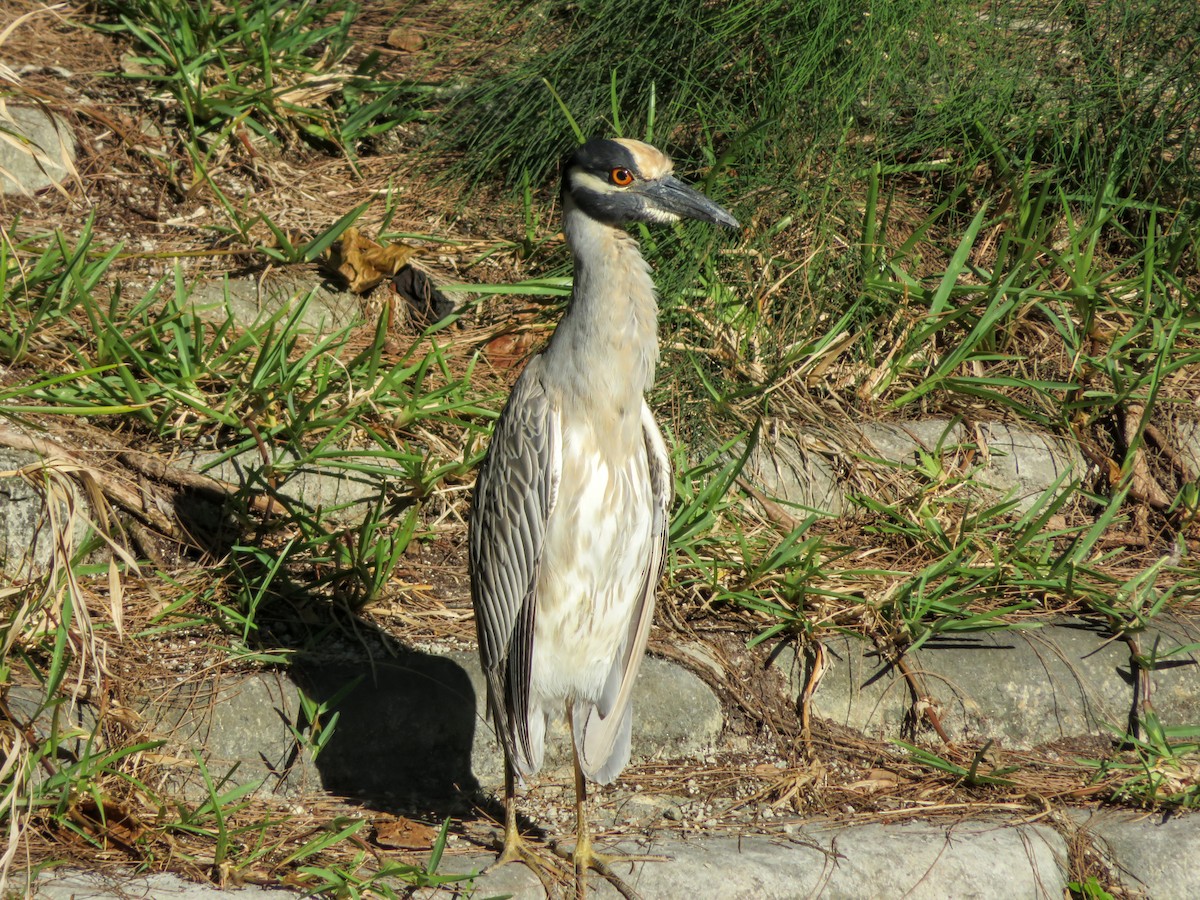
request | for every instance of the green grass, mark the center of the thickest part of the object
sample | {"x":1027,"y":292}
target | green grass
{"x":1157,"y":769}
{"x":232,"y":80}
{"x":157,"y":367}
{"x":915,"y":87}
{"x":75,"y":343}
{"x":273,"y":68}
{"x":895,"y":161}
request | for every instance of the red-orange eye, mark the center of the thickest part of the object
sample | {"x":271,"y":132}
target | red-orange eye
{"x":621,"y":177}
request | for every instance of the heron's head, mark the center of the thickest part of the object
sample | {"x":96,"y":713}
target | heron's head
{"x":622,"y":181}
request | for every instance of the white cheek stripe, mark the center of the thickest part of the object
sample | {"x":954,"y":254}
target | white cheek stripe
{"x":582,"y":179}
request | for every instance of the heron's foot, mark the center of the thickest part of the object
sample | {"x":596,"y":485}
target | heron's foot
{"x":584,"y":857}
{"x":517,"y":849}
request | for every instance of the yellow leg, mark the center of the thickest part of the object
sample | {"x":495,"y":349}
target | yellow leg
{"x":584,"y":857}
{"x":516,"y":848}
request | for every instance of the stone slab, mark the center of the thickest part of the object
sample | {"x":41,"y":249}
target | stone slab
{"x":40,"y":163}
{"x":26,"y":542}
{"x":423,"y":720}
{"x":413,"y":729}
{"x":787,"y":470}
{"x":1008,"y":460}
{"x":346,"y":495}
{"x":1156,"y":857}
{"x":1023,"y":688}
{"x":1187,"y":437}
{"x":919,"y":860}
{"x":251,"y":301}
{"x":238,"y":725}
{"x":72,"y":884}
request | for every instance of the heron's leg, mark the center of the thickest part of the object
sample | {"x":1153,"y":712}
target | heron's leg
{"x":584,"y":856}
{"x":516,"y":848}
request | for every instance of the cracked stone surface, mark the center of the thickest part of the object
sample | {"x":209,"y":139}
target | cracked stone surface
{"x":1154,"y":855}
{"x":915,"y":860}
{"x":412,"y":725}
{"x":73,"y":884}
{"x":1007,"y":459}
{"x":919,"y":860}
{"x":788,"y":469}
{"x":1022,"y":688}
{"x":327,"y":485}
{"x":23,"y":530}
{"x":251,"y":301}
{"x":39,"y":164}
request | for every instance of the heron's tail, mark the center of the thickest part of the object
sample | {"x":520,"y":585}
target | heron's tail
{"x":603,"y":743}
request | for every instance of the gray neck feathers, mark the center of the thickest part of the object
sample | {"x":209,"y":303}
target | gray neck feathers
{"x":605,"y":349}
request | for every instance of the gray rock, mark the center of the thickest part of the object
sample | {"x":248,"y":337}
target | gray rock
{"x":238,"y":725}
{"x":972,"y":861}
{"x":251,"y":301}
{"x":30,"y":167}
{"x":405,"y":732}
{"x":74,"y":723}
{"x":1013,"y":461}
{"x":412,"y":729}
{"x":916,"y":860}
{"x":72,"y":884}
{"x":1023,"y":688}
{"x":26,"y":543}
{"x":787,"y":471}
{"x":675,"y":716}
{"x":1026,"y":462}
{"x":919,"y":860}
{"x":899,"y":442}
{"x":319,"y":483}
{"x":1019,"y":462}
{"x":1153,"y":856}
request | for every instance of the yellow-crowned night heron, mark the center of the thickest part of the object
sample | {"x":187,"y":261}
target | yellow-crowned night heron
{"x":569,"y":524}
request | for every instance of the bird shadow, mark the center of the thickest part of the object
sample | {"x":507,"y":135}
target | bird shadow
{"x":375,"y":720}
{"x":405,"y":724}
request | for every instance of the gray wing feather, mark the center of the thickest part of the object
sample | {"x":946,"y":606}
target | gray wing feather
{"x":602,"y":731}
{"x":514,"y":494}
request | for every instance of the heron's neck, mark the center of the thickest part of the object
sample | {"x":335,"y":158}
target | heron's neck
{"x":605,"y":349}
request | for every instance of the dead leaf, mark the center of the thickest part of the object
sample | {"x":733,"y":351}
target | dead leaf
{"x":877,"y":780}
{"x":405,"y":38}
{"x":364,"y":263}
{"x":405,"y":834}
{"x":507,"y":350}
{"x":109,"y":821}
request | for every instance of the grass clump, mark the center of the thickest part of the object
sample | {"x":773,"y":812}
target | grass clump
{"x":1090,"y":92}
{"x":156,"y":370}
{"x":272,"y":68}
{"x":965,"y":175}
